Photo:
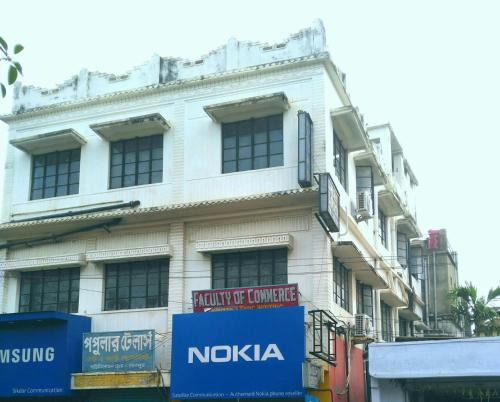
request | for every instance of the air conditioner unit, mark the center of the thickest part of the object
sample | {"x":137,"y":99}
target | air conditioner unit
{"x":364,"y":210}
{"x":363,"y":326}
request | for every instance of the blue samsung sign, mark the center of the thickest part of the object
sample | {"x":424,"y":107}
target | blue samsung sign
{"x":238,"y":354}
{"x":38,"y":353}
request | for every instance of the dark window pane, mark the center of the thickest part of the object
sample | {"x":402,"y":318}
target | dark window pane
{"x":229,"y":167}
{"x":142,"y":162}
{"x":156,"y":177}
{"x":50,"y":174}
{"x":254,"y":139}
{"x":136,"y":284}
{"x":275,"y":160}
{"x":49,"y":290}
{"x":252,"y":268}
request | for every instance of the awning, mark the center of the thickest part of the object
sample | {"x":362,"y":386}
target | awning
{"x":256,"y":106}
{"x":369,"y":158}
{"x":138,"y":126}
{"x":49,"y":142}
{"x":349,"y":128}
{"x":473,"y":357}
{"x":352,"y":258}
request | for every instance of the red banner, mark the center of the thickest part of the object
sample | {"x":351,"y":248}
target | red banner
{"x":245,"y":298}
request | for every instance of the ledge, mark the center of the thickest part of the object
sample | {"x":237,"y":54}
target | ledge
{"x":44,"y":262}
{"x":131,"y":379}
{"x":256,"y":106}
{"x":129,"y":253}
{"x":49,"y":142}
{"x":243,"y":243}
{"x":139,"y":126}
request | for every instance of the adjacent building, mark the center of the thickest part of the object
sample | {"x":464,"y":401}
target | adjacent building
{"x":249,"y":167}
{"x":437,"y":262}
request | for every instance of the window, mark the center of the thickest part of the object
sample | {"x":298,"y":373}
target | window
{"x":249,"y":268}
{"x":416,"y":264}
{"x":341,"y":294}
{"x":403,"y":327}
{"x":55,"y":174}
{"x":403,"y":249}
{"x":382,"y":228}
{"x":386,"y":317}
{"x":136,"y":161}
{"x":138,"y":284}
{"x":340,"y":160}
{"x":50,"y":290}
{"x":252,"y":144}
{"x":364,"y":299}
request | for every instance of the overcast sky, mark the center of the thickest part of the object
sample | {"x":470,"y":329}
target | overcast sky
{"x":430,"y":68}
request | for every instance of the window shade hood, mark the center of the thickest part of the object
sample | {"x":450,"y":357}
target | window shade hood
{"x":256,"y":106}
{"x":352,"y":258}
{"x":49,"y":142}
{"x":349,"y":127}
{"x":131,"y":127}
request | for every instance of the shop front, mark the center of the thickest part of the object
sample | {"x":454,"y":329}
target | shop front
{"x":239,"y":355}
{"x":38,"y":353}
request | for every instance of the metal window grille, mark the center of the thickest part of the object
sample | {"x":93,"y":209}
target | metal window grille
{"x":324,"y":328}
{"x":364,"y":299}
{"x":382,"y":227}
{"x":341,"y":288}
{"x":340,"y":160}
{"x":305,"y":130}
{"x":386,"y":319}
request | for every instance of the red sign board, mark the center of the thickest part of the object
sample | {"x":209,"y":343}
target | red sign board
{"x":245,"y":298}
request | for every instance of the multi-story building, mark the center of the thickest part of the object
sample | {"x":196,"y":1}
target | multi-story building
{"x":435,"y":260}
{"x":247,"y":167}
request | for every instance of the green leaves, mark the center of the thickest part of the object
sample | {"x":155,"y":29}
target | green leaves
{"x":4,"y":44}
{"x":18,"y":48}
{"x":14,"y":66}
{"x":12,"y":75}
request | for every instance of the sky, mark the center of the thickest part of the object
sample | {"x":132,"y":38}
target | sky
{"x":430,"y":68}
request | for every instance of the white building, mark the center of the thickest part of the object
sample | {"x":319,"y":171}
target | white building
{"x":123,"y":194}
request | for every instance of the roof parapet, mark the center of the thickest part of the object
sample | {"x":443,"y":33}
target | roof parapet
{"x":158,"y":70}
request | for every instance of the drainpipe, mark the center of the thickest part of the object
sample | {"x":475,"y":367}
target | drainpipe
{"x":435,"y":288}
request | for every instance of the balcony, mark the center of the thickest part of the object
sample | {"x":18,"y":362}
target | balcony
{"x":395,"y":295}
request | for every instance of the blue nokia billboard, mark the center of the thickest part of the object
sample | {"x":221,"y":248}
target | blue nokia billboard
{"x":238,"y":354}
{"x":38,"y":353}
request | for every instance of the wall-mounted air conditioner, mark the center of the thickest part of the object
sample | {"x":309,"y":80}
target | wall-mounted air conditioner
{"x":363,"y":326}
{"x":364,"y":201}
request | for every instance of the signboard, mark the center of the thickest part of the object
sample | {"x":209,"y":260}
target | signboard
{"x":38,"y":353}
{"x":245,"y":298}
{"x":118,"y":351}
{"x":238,"y":354}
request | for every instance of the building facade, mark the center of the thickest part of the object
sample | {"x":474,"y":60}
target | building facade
{"x":248,"y":167}
{"x":435,"y":259}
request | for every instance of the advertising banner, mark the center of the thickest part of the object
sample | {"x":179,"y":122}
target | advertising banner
{"x":38,"y":353}
{"x":238,"y":354}
{"x":245,"y":298}
{"x":118,"y":351}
